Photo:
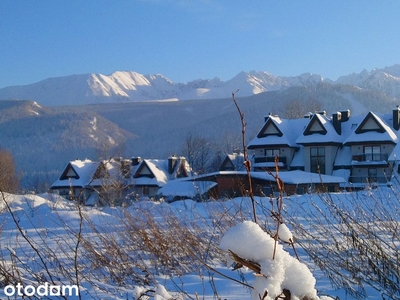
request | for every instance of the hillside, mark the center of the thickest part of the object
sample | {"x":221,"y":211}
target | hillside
{"x":43,"y":140}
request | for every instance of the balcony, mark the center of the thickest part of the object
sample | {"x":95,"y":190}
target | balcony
{"x":370,"y":158}
{"x":269,"y":159}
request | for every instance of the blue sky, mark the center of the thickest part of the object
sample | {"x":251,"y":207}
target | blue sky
{"x":187,"y":40}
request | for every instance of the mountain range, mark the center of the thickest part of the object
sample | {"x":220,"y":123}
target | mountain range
{"x":128,"y":86}
{"x":118,"y":115}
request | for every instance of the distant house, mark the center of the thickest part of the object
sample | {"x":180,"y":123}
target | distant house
{"x":94,"y":182}
{"x":75,"y":179}
{"x":233,"y":162}
{"x":117,"y":179}
{"x":356,"y":148}
{"x":152,"y":174}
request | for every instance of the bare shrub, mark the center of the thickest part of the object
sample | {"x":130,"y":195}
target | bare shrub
{"x":354,"y":239}
{"x":9,"y":180}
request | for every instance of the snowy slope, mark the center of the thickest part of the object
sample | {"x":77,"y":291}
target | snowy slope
{"x":51,"y":224}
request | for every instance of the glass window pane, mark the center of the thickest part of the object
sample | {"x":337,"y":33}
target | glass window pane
{"x":314,"y":151}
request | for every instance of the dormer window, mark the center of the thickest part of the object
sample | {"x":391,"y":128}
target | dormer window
{"x":269,"y":128}
{"x":315,"y":126}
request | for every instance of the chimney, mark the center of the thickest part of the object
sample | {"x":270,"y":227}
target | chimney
{"x":396,"y":118}
{"x":345,"y":115}
{"x":136,"y":160}
{"x":337,"y":122}
{"x":171,"y":163}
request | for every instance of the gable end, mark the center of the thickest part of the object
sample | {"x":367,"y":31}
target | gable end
{"x":68,"y":173}
{"x":370,"y":124}
{"x":269,"y":128}
{"x":143,"y":171}
{"x":315,"y":126}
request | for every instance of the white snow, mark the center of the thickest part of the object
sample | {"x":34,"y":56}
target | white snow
{"x":283,"y":271}
{"x":285,"y":234}
{"x":54,"y":220}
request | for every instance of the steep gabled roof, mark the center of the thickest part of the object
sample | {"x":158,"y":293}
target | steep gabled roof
{"x":316,"y":125}
{"x":69,"y":172}
{"x":112,"y":171}
{"x":269,"y":128}
{"x":319,"y":130}
{"x":278,"y":132}
{"x":233,"y":162}
{"x":156,"y":171}
{"x":78,"y":173}
{"x":371,"y":129}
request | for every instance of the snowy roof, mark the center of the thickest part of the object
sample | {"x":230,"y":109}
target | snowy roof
{"x":235,"y":161}
{"x":156,"y":171}
{"x":188,"y":189}
{"x":300,"y":177}
{"x":341,"y":129}
{"x":83,"y":173}
{"x":277,"y":131}
{"x":372,"y":128}
{"x":77,"y":173}
{"x":319,"y":130}
{"x":288,"y":177}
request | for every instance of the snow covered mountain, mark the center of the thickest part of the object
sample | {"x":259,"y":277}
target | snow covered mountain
{"x":386,"y":80}
{"x":131,"y":86}
{"x":127,"y":86}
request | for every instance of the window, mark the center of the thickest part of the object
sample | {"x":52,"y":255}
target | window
{"x":372,"y":175}
{"x":145,"y":190}
{"x":372,"y":153}
{"x":317,"y":160}
{"x":271,"y":152}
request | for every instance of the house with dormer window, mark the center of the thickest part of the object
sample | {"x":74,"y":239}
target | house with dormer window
{"x":233,"y":162}
{"x":276,"y":140}
{"x":95,"y":182}
{"x":357,"y":148}
{"x":320,"y":141}
{"x":152,"y":174}
{"x":371,"y":143}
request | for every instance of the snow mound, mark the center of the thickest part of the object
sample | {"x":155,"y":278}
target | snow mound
{"x":284,"y":272}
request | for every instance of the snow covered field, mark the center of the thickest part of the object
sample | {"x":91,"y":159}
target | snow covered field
{"x":156,"y":250}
